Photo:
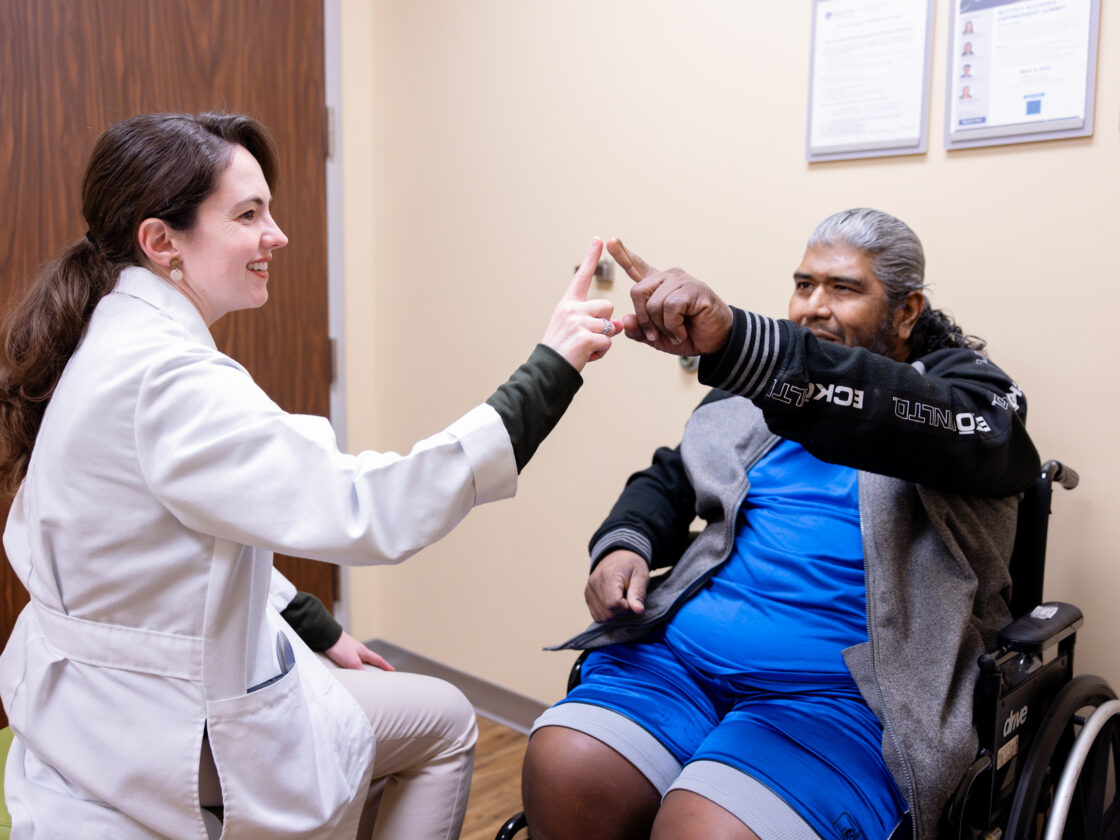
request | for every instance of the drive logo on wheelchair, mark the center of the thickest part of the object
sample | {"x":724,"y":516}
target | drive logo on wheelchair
{"x":1014,"y":721}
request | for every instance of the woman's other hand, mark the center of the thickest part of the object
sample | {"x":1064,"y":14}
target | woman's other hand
{"x":581,"y":329}
{"x":348,"y":652}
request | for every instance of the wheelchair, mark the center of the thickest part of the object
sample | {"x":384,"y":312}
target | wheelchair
{"x":1048,"y":766}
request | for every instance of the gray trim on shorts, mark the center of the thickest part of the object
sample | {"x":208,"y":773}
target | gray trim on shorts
{"x":757,"y":807}
{"x":628,"y":739}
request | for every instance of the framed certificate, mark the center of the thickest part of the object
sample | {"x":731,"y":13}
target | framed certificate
{"x":869,"y":78}
{"x":1020,"y":70}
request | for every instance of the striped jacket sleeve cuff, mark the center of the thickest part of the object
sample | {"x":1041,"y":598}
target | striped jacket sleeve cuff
{"x":749,"y":359}
{"x":626,"y":538}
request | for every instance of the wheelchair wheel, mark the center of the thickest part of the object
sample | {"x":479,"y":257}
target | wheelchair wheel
{"x":1097,"y":812}
{"x":1082,"y":802}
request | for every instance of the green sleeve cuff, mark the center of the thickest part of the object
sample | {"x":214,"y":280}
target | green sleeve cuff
{"x":312,"y":622}
{"x":532,"y":401}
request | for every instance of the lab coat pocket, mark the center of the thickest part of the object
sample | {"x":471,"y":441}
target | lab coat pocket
{"x":291,"y":757}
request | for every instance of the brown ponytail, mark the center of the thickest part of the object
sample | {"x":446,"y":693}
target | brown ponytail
{"x":152,"y":166}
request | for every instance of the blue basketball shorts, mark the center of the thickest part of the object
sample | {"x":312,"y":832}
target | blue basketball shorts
{"x":783,"y":761}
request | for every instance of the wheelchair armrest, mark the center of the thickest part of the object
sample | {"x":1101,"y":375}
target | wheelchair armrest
{"x":1041,"y":628}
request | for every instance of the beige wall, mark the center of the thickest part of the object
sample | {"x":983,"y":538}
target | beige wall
{"x":484,"y":144}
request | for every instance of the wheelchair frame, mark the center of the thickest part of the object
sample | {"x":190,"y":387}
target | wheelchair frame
{"x":1042,"y":770}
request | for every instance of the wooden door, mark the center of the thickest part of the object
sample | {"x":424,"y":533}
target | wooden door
{"x":70,"y":68}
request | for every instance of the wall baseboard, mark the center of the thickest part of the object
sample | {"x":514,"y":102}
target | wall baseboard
{"x":490,"y":700}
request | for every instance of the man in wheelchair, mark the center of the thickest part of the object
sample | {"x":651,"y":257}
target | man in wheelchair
{"x":806,"y":667}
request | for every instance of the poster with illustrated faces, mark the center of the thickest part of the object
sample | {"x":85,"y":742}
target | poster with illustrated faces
{"x":1020,"y":70}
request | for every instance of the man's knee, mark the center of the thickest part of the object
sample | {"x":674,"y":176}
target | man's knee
{"x":685,"y":815}
{"x":558,"y":758}
{"x":575,"y":786}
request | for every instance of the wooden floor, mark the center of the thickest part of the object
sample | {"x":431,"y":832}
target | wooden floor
{"x":496,"y":785}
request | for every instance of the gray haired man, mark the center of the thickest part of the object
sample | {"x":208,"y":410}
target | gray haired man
{"x":805,"y":668}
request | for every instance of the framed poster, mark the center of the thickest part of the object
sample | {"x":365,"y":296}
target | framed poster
{"x":1020,"y":70}
{"x":869,"y":78}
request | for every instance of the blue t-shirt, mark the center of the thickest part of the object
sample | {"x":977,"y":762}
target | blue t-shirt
{"x":792,"y":595}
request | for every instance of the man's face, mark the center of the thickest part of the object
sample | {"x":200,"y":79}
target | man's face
{"x":837,"y":296}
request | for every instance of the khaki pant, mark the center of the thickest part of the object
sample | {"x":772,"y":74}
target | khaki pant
{"x":425,"y":733}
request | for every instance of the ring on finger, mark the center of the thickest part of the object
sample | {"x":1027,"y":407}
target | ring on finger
{"x":608,"y":327}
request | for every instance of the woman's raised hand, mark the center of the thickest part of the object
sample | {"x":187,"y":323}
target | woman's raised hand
{"x":581,"y":329}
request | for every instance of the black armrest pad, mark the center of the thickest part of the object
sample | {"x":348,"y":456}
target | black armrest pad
{"x":1045,"y":625}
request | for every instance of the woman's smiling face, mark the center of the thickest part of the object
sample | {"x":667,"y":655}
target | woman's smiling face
{"x":227,"y":254}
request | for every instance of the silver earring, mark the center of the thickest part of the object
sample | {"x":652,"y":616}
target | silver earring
{"x":176,"y":270}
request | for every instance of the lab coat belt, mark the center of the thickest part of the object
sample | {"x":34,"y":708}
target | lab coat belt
{"x":117,"y":646}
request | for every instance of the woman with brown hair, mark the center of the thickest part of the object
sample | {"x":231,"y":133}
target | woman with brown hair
{"x":153,"y":687}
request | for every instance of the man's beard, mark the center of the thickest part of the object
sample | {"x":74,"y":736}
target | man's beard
{"x":881,"y":340}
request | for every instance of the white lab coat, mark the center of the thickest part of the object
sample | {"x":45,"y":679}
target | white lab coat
{"x":161,"y":481}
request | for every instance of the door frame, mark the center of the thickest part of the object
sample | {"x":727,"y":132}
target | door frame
{"x":336,"y":279}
